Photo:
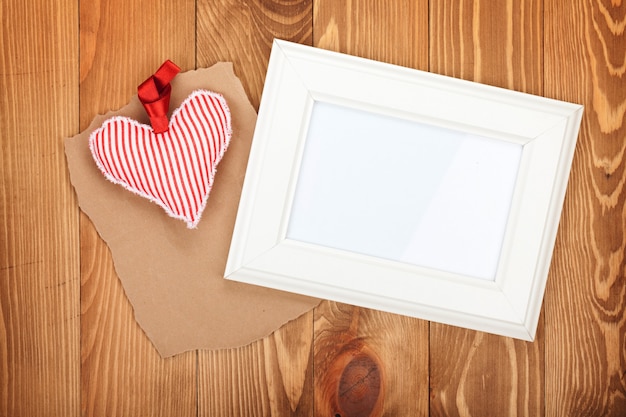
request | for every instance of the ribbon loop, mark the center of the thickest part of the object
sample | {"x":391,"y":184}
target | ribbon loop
{"x":154,"y":93}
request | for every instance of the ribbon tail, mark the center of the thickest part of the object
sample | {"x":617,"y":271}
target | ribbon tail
{"x":154,"y":93}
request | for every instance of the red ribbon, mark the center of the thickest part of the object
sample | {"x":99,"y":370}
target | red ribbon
{"x":154,"y":94}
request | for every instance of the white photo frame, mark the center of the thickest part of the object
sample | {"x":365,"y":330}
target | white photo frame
{"x":404,"y":191}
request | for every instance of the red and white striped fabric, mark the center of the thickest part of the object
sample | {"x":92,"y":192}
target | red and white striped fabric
{"x":174,"y":169}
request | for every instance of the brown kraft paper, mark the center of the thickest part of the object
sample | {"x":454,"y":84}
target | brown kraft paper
{"x":172,"y":275}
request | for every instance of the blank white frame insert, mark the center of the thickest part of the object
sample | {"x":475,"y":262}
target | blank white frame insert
{"x":349,"y":197}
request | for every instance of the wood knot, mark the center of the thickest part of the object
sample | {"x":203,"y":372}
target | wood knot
{"x":359,"y":387}
{"x":358,"y":382}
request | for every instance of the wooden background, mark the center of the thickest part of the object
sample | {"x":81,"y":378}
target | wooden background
{"x":69,"y":345}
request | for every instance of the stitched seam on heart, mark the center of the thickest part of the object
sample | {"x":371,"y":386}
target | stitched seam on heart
{"x":175,"y":116}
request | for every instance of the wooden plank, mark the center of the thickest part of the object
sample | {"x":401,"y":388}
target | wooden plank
{"x":121,"y":44}
{"x":477,"y":374}
{"x":497,"y":43}
{"x":370,"y":363}
{"x":585,"y":57}
{"x":243,"y":32}
{"x":472,"y":373}
{"x":393,"y":31}
{"x":39,"y":252}
{"x":272,"y":376}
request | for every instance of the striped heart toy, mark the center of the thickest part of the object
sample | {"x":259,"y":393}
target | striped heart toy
{"x":174,"y":168}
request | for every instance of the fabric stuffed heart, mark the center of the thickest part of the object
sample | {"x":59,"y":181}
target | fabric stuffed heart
{"x":174,"y":169}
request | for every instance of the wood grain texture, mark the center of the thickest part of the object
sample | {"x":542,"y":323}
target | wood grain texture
{"x":474,"y":374}
{"x":393,"y":31}
{"x":369,"y":363}
{"x":39,"y":254}
{"x":242,"y":33}
{"x":585,"y":57}
{"x":122,"y":43}
{"x":498,"y":43}
{"x":272,"y":376}
{"x":478,"y":374}
{"x":362,"y":368}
